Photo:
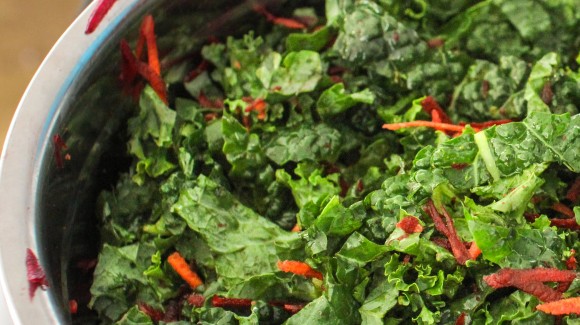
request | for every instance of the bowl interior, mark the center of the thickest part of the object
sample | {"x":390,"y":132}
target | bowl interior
{"x":89,"y":116}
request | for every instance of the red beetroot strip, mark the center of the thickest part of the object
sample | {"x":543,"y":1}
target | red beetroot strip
{"x":59,"y":147}
{"x":286,"y":22}
{"x":431,"y":106}
{"x":531,"y":281}
{"x":198,"y":300}
{"x":448,"y":229}
{"x":103,"y":7}
{"x":574,"y":191}
{"x":34,"y":273}
{"x":410,"y":225}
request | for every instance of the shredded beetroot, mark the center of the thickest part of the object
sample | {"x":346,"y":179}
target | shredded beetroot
{"x":154,"y":79}
{"x":360,"y":186}
{"x":442,"y":242}
{"x":196,"y":300}
{"x":410,"y":225}
{"x":73,"y":306}
{"x":459,"y":166}
{"x":486,"y":124}
{"x":430,"y":105}
{"x":571,"y":262}
{"x":154,"y":314}
{"x":574,"y":191}
{"x":223,"y":302}
{"x":435,"y":42}
{"x":59,"y":146}
{"x":208,"y":103}
{"x":35,"y":274}
{"x":101,"y":10}
{"x":531,"y":281}
{"x":547,"y":93}
{"x":565,"y":223}
{"x":286,"y":22}
{"x":203,"y":66}
{"x":485,"y":88}
{"x":563,"y":209}
{"x":448,"y":229}
{"x":259,"y":105}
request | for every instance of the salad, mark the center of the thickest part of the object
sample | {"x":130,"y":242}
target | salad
{"x":352,"y":162}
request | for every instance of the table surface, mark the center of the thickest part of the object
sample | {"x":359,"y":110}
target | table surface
{"x":29,"y":29}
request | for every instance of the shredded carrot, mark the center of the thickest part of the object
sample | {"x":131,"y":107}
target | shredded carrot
{"x":196,"y":299}
{"x":435,"y":42}
{"x":296,"y":228}
{"x":259,"y":105}
{"x":103,"y":7}
{"x":299,"y":268}
{"x":180,"y":266}
{"x":429,"y":124}
{"x":563,"y":209}
{"x":561,"y":307}
{"x":147,"y":35}
{"x":460,"y":320}
{"x":474,"y":251}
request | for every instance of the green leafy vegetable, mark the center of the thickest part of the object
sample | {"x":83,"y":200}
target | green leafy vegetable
{"x":272,"y":154}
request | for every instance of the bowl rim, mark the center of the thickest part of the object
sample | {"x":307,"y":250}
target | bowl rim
{"x":23,"y":152}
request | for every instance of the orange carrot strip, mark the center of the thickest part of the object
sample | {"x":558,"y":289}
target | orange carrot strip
{"x":299,"y":268}
{"x":148,"y":32}
{"x":561,"y":307}
{"x":180,"y":266}
{"x":429,"y":124}
{"x":563,"y":209}
{"x":296,"y":228}
{"x":154,"y":79}
{"x":474,"y":251}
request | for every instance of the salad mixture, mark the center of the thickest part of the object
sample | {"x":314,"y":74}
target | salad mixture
{"x":374,"y":162}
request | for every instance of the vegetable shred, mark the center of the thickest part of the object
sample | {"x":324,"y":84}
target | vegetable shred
{"x":348,"y":162}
